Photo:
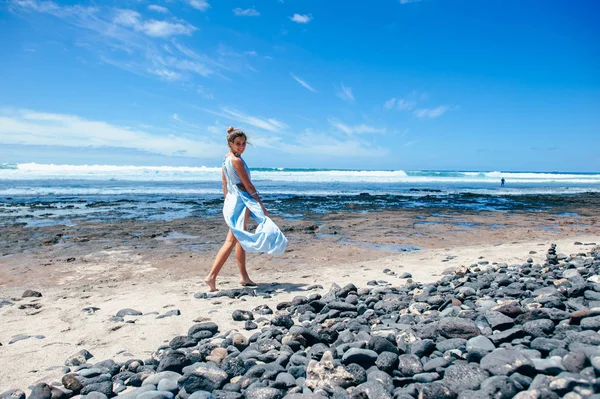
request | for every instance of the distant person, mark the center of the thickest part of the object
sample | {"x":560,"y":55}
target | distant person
{"x":241,"y":201}
{"x":502,"y":182}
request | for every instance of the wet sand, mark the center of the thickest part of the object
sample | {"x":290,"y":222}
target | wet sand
{"x":159,"y":266}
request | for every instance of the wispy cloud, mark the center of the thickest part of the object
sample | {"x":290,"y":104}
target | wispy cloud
{"x":205,"y":92}
{"x":157,"y":8}
{"x":431,"y":113}
{"x":303,"y":83}
{"x":270,"y":124}
{"x":317,"y":144}
{"x":357,"y":129}
{"x":301,"y":18}
{"x":126,"y":39}
{"x":201,"y":5}
{"x":400,"y":104}
{"x":152,"y":27}
{"x":165,"y":74}
{"x":345,"y":93}
{"x":247,"y":12}
{"x":409,"y":1}
{"x":27,"y":127}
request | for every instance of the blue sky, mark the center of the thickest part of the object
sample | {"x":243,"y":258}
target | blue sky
{"x":393,"y":84}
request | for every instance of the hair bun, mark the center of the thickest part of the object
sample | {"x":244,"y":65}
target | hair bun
{"x":230,"y":129}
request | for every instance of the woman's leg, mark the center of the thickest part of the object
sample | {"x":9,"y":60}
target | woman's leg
{"x":222,"y":256}
{"x":240,"y":256}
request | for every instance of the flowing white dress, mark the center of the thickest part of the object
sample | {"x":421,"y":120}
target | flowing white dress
{"x":267,"y":237}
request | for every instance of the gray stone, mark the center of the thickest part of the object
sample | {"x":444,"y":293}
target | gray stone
{"x":202,"y":377}
{"x":591,"y":323}
{"x":499,"y":387}
{"x":409,"y":365}
{"x":498,"y":321}
{"x":156,"y":395}
{"x":364,"y":357}
{"x":163,"y":375}
{"x":79,"y":358}
{"x":13,"y":394}
{"x":128,"y":312}
{"x":551,"y":365}
{"x":505,"y":362}
{"x":464,"y":376}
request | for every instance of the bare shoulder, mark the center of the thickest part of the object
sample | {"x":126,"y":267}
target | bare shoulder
{"x":237,"y":161}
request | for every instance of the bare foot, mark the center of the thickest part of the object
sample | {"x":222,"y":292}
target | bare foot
{"x":212,"y":283}
{"x":248,"y":283}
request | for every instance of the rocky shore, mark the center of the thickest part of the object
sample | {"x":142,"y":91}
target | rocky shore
{"x":488,"y":330}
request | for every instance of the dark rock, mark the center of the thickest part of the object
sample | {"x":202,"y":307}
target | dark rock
{"x":41,"y":391}
{"x":363,"y":357}
{"x":173,"y":361}
{"x":102,"y":387}
{"x":31,"y":294}
{"x":182,"y":341}
{"x":539,"y":328}
{"x":386,"y":361}
{"x":282,"y":321}
{"x":381,"y":344}
{"x":455,"y":327}
{"x":202,"y":377}
{"x":498,"y":321}
{"x":242,"y":315}
{"x":409,"y":365}
{"x":499,"y":387}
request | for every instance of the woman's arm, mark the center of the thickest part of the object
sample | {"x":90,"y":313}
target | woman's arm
{"x":224,"y":183}
{"x":238,"y":165}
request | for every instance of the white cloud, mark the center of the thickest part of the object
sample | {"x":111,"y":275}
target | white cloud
{"x":201,"y":5}
{"x":27,"y":127}
{"x":252,"y":53}
{"x":248,"y":12}
{"x":312,"y":144}
{"x":205,"y":92}
{"x":165,"y":74}
{"x":270,"y":124}
{"x":405,"y":104}
{"x":156,"y":8}
{"x":301,"y":18}
{"x":389,"y":104}
{"x":303,"y":83}
{"x":128,"y":40}
{"x":345,"y":93}
{"x":401,"y":104}
{"x":357,"y":129}
{"x":409,"y":1}
{"x":152,"y":27}
{"x":431,"y":112}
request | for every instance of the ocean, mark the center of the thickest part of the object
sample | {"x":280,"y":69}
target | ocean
{"x":40,"y":194}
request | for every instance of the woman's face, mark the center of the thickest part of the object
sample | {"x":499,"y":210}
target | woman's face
{"x":238,"y":145}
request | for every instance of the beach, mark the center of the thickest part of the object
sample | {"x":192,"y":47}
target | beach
{"x":88,"y":272}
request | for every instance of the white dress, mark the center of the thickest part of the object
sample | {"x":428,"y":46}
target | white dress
{"x":267,"y":237}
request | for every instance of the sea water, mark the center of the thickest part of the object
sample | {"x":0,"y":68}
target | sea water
{"x":41,"y":194}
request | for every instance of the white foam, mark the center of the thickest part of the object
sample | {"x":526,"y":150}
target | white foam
{"x":34,"y":171}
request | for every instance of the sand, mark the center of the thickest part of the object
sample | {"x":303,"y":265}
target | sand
{"x":156,"y":267}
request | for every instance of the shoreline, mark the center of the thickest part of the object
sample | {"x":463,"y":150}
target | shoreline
{"x":105,"y":266}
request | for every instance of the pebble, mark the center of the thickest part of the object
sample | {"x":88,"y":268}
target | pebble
{"x":482,"y":331}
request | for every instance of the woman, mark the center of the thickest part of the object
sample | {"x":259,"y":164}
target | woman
{"x":242,"y":200}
